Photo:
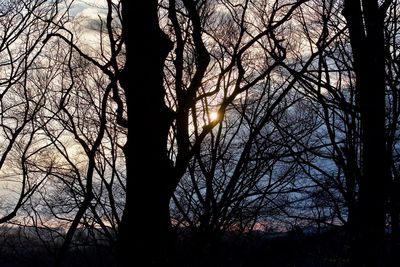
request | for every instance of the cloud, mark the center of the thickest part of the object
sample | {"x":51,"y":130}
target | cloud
{"x":89,"y":9}
{"x":86,"y":18}
{"x":85,"y":23}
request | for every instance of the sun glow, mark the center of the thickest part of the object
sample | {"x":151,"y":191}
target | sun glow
{"x":213,"y":115}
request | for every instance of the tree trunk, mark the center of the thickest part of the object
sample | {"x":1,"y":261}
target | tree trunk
{"x":145,"y":237}
{"x":365,"y":23}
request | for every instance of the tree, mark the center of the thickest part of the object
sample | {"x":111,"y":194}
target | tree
{"x":146,"y":150}
{"x":145,"y":225}
{"x":24,"y":27}
{"x":332,"y":163}
{"x":392,"y":110}
{"x":249,"y":164}
{"x":365,"y":21}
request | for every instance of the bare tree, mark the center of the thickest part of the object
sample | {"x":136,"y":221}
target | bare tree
{"x":24,"y":27}
{"x":188,"y":93}
{"x":365,"y":20}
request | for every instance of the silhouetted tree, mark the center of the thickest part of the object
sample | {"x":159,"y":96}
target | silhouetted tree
{"x":268,"y":155}
{"x":392,"y":113}
{"x":144,"y":232}
{"x":148,"y":150}
{"x":332,"y":164}
{"x":23,"y":27}
{"x":365,"y":21}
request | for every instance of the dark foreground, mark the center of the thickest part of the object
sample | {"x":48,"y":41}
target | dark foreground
{"x":295,"y":248}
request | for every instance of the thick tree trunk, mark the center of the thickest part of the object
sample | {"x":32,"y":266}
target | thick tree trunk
{"x":365,"y":22}
{"x":145,"y":232}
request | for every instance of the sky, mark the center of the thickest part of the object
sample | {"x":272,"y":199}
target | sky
{"x":86,"y":15}
{"x":88,"y":8}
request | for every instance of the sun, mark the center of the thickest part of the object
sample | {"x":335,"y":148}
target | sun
{"x":213,"y":115}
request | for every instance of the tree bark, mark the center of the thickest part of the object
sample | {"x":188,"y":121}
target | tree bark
{"x":145,"y":232}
